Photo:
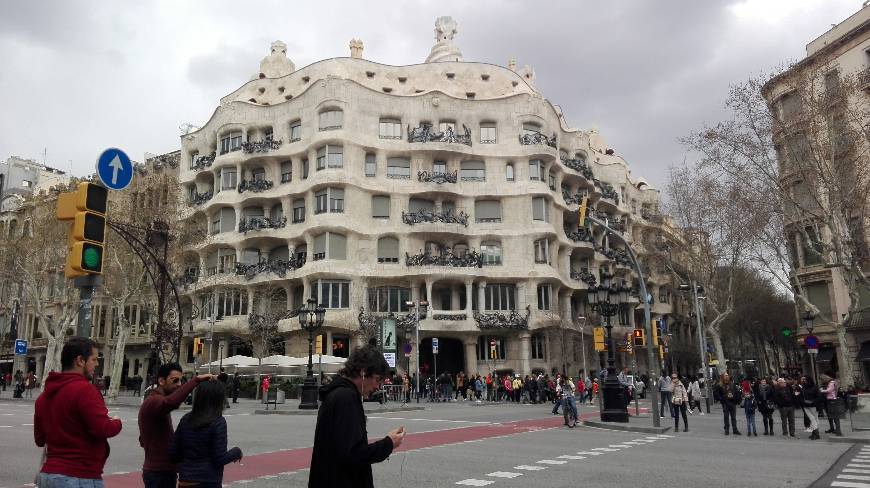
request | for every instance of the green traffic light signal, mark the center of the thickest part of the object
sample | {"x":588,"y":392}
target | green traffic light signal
{"x":91,"y":258}
{"x":786,"y":332}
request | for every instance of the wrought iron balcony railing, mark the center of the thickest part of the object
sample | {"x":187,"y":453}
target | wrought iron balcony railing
{"x":427,"y":216}
{"x":499,"y":320}
{"x":424,"y":133}
{"x":437,"y":177}
{"x":619,"y":256}
{"x":585,"y":276}
{"x":261,"y":223}
{"x":574,"y":199}
{"x":280,"y":267}
{"x":255,"y":185}
{"x":534,"y":138}
{"x":578,"y":165}
{"x":200,"y":198}
{"x":263,"y":146}
{"x":201,"y":162}
{"x":581,"y":234}
{"x":471,"y":259}
{"x":864,"y":79}
{"x":651,"y":216}
{"x":449,"y":316}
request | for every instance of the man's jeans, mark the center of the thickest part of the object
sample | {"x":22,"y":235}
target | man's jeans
{"x":569,"y":403}
{"x":666,"y":398}
{"x":786,"y":416}
{"x":47,"y":480}
{"x":159,"y":479}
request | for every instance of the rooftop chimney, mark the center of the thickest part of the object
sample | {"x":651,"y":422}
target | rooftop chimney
{"x":356,"y":48}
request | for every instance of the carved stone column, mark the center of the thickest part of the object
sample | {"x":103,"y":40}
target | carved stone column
{"x":469,"y":288}
{"x":470,"y":356}
{"x":481,"y":296}
{"x":525,"y":352}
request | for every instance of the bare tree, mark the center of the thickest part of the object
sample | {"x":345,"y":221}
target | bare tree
{"x":269,"y":307}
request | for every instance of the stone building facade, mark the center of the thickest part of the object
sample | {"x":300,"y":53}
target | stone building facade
{"x":365,"y":185}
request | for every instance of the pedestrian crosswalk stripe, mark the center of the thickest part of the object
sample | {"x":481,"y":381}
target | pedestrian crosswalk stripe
{"x":529,"y":468}
{"x":566,"y":456}
{"x":850,"y":484}
{"x":853,"y":477}
{"x":590,"y":453}
{"x":504,"y":474}
{"x":858,"y":465}
{"x":634,"y":443}
{"x":474,"y":482}
{"x":551,"y":461}
{"x":621,"y":446}
{"x":858,"y":471}
{"x":605,"y":449}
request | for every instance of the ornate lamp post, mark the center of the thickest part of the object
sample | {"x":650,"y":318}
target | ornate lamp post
{"x":808,"y":319}
{"x":606,"y":299}
{"x":420,"y":308}
{"x":310,"y":319}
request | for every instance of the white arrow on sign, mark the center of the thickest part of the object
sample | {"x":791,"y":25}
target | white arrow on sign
{"x":116,"y":166}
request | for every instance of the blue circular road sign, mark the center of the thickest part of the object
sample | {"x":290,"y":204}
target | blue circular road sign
{"x":811,"y":342}
{"x":115,"y":169}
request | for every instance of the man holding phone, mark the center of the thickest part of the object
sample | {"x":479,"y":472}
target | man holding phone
{"x":343,"y":456}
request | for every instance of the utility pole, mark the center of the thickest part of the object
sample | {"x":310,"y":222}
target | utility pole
{"x":702,"y":341}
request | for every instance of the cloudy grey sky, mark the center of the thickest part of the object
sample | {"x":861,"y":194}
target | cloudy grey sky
{"x":79,"y":76}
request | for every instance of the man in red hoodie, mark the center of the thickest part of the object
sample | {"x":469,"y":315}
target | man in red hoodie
{"x":72,"y":422}
{"x":155,"y":424}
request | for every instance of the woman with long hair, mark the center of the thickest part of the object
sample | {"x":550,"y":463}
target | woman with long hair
{"x":200,"y":443}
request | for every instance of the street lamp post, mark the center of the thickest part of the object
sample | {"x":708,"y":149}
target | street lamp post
{"x":808,"y":319}
{"x":583,"y":347}
{"x":607,"y":298}
{"x":420,"y":307}
{"x":310,"y":319}
{"x":697,"y":294}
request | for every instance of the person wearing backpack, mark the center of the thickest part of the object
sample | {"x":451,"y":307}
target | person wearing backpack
{"x":766,"y":405}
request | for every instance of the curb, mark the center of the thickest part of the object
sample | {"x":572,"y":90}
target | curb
{"x":850,"y":440}
{"x":626,"y":427}
{"x":314,"y":412}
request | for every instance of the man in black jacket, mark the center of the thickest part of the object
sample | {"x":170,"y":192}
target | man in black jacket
{"x":784,"y":397}
{"x":342,"y":455}
{"x":728,"y":393}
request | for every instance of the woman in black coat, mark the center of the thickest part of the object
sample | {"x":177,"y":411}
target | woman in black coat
{"x":200,"y":443}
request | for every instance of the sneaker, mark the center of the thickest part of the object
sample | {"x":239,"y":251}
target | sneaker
{"x":690,"y":413}
{"x":702,"y":413}
{"x":685,"y":429}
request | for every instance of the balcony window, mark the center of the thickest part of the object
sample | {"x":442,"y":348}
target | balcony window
{"x":446,"y":124}
{"x":552,"y":181}
{"x":295,"y":130}
{"x":333,"y":293}
{"x":229,"y":179}
{"x":487,"y":133}
{"x":321,"y":201}
{"x":399,"y":168}
{"x":286,"y":172}
{"x":490,"y":251}
{"x":538,"y":346}
{"x":276,"y":213}
{"x":388,"y":250}
{"x":226,"y":260}
{"x":330,"y":157}
{"x":500,"y":296}
{"x":331,"y":120}
{"x":472,"y":171}
{"x":509,"y":172}
{"x":380,"y":206}
{"x":490,"y":348}
{"x":304,"y":169}
{"x":390,"y":129}
{"x":540,"y":209}
{"x":224,"y":220}
{"x":542,"y":251}
{"x":544,"y":293}
{"x":231,"y":142}
{"x":415,"y":205}
{"x":336,"y":200}
{"x":330,"y":245}
{"x":258,"y":174}
{"x":536,"y":170}
{"x":487,"y":211}
{"x":385,"y":299}
{"x":371,"y":167}
{"x":298,"y":210}
{"x":531,"y":129}
{"x":439,"y":167}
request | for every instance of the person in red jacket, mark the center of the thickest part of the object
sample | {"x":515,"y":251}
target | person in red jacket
{"x":71,"y":421}
{"x":155,"y":424}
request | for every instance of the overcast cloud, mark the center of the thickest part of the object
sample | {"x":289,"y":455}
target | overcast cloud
{"x":80,"y":76}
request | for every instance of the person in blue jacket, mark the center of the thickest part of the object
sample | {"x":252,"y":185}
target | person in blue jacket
{"x":199,"y":446}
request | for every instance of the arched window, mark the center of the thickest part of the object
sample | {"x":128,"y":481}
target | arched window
{"x":331,"y":119}
{"x":490,"y":251}
{"x":509,"y":172}
{"x":388,"y":250}
{"x":295,"y":130}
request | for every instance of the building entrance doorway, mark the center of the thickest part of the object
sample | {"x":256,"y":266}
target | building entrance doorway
{"x":451,"y":357}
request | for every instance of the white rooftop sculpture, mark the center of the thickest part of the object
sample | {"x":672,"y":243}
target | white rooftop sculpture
{"x":444,"y":50}
{"x":276,"y":64}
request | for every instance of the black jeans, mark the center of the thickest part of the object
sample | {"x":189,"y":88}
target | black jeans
{"x":786,"y":416}
{"x":729,"y":411}
{"x":159,"y":479}
{"x":680,"y":409}
{"x":767,"y":418}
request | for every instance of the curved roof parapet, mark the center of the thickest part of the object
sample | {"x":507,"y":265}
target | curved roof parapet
{"x":444,"y":50}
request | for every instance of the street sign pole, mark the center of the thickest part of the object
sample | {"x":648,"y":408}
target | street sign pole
{"x":86,"y":285}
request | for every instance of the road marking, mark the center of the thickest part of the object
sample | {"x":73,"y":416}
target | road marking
{"x":504,"y":474}
{"x":529,"y":468}
{"x":853,"y":477}
{"x":860,"y":459}
{"x":635,"y":443}
{"x":859,"y":471}
{"x":5,"y":426}
{"x":621,"y":446}
{"x":430,"y":420}
{"x":474,"y":482}
{"x":605,"y":449}
{"x":551,"y":461}
{"x":590,"y":453}
{"x":566,"y":456}
{"x":850,"y":484}
{"x":27,"y":425}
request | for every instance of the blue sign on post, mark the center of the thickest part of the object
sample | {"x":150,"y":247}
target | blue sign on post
{"x":434,"y":345}
{"x":115,"y":169}
{"x":811,"y":342}
{"x":20,"y":347}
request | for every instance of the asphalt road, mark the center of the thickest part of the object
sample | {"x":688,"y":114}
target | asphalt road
{"x":466,"y":445}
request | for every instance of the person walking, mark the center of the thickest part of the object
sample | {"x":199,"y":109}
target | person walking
{"x":199,"y":445}
{"x":766,"y":405}
{"x":830,"y":393}
{"x":406,"y":389}
{"x":784,"y":399}
{"x":342,"y":455}
{"x":155,"y":424}
{"x":558,"y":399}
{"x":666,"y":389}
{"x":71,"y":421}
{"x":749,"y":405}
{"x":680,"y":401}
{"x":809,"y":398}
{"x":695,"y":395}
{"x":728,"y":394}
{"x":235,"y":386}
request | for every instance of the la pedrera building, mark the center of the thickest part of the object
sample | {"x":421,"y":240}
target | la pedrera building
{"x":366,"y":186}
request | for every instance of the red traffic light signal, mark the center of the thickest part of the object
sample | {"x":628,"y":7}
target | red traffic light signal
{"x":638,"y":338}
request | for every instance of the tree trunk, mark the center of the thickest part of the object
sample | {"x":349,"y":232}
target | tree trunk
{"x":52,"y":357}
{"x":118,"y":358}
{"x":720,"y":351}
{"x":847,"y":376}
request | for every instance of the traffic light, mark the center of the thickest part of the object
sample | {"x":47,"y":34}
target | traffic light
{"x":657,"y":332}
{"x":786,"y":332}
{"x":638,"y":338}
{"x":318,"y":344}
{"x":86,"y":208}
{"x":197,"y":346}
{"x":581,"y":212}
{"x":598,"y":339}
